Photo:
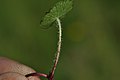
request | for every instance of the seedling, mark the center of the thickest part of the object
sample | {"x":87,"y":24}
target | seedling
{"x":54,"y":15}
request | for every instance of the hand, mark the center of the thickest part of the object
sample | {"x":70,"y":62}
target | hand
{"x":12,"y":70}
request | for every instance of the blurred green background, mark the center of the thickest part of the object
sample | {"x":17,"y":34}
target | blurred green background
{"x":91,"y":38}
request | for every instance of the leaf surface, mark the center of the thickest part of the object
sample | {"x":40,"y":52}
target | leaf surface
{"x":59,"y":10}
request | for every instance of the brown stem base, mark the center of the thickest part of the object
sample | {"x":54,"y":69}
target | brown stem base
{"x":49,"y":77}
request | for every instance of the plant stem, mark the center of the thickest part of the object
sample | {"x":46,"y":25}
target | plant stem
{"x":51,"y":75}
{"x":37,"y":74}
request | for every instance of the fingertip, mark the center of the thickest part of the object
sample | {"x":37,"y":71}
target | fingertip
{"x":12,"y":76}
{"x":16,"y":76}
{"x":12,"y":70}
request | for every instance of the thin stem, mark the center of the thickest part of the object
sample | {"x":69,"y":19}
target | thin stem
{"x":37,"y":74}
{"x":51,"y":75}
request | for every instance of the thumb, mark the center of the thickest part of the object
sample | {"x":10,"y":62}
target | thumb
{"x":12,"y":76}
{"x":12,"y":69}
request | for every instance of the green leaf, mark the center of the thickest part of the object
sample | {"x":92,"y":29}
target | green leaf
{"x":59,"y":10}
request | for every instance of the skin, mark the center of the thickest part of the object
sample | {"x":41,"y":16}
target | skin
{"x":12,"y":70}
